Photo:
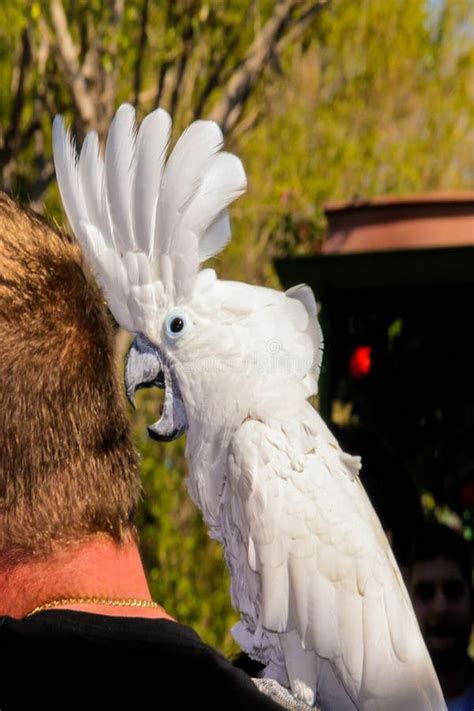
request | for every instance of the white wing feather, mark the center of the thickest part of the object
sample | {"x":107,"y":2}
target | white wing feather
{"x":329,"y":586}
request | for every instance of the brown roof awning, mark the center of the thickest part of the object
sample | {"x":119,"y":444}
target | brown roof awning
{"x":390,"y":223}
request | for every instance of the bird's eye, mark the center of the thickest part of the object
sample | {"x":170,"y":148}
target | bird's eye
{"x":176,"y":325}
{"x":177,"y":322}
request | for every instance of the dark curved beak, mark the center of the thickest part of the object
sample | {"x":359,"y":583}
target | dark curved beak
{"x":145,"y":367}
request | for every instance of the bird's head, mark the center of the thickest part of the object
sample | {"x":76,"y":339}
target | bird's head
{"x":230,"y":347}
{"x":145,"y":225}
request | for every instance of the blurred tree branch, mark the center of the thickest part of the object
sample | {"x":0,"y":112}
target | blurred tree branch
{"x":92,"y":84}
{"x":300,"y":25}
{"x":239,"y":86}
{"x":11,"y":138}
{"x":137,"y":74}
{"x":220,"y":63}
{"x":187,"y":38}
{"x":67,"y":55}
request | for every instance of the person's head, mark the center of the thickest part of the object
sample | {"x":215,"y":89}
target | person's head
{"x":440,"y":586}
{"x":68,"y":469}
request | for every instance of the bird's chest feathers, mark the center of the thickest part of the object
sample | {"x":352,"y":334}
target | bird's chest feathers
{"x":207,"y":475}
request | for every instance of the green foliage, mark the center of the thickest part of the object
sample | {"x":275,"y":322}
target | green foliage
{"x":13,"y":20}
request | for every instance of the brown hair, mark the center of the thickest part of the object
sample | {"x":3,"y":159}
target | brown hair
{"x":68,"y":469}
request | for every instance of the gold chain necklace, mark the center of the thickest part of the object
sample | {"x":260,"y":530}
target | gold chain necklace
{"x":129,"y":602}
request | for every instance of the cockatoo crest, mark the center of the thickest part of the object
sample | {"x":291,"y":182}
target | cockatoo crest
{"x":146,"y":223}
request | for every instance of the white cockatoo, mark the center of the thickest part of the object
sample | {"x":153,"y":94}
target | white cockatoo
{"x":322,"y":603}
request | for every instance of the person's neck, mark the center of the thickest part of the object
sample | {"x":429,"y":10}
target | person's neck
{"x":98,"y":568}
{"x":455,"y":680}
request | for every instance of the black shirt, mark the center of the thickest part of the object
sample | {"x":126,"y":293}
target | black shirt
{"x":63,"y":659}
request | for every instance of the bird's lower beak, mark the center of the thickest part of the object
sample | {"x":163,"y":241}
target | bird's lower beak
{"x":145,"y":367}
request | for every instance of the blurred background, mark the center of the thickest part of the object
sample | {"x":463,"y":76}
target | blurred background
{"x":355,"y":123}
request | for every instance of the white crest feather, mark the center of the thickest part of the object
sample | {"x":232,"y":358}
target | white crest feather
{"x":216,"y":237}
{"x":65,"y":160}
{"x":119,"y":153}
{"x":146,"y":224}
{"x":222,"y":183}
{"x":91,"y":177}
{"x":182,"y":176}
{"x":152,"y":143}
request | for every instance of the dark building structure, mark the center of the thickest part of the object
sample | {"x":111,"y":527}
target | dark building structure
{"x":395,"y":281}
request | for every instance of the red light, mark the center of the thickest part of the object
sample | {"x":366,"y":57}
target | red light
{"x":361,"y":362}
